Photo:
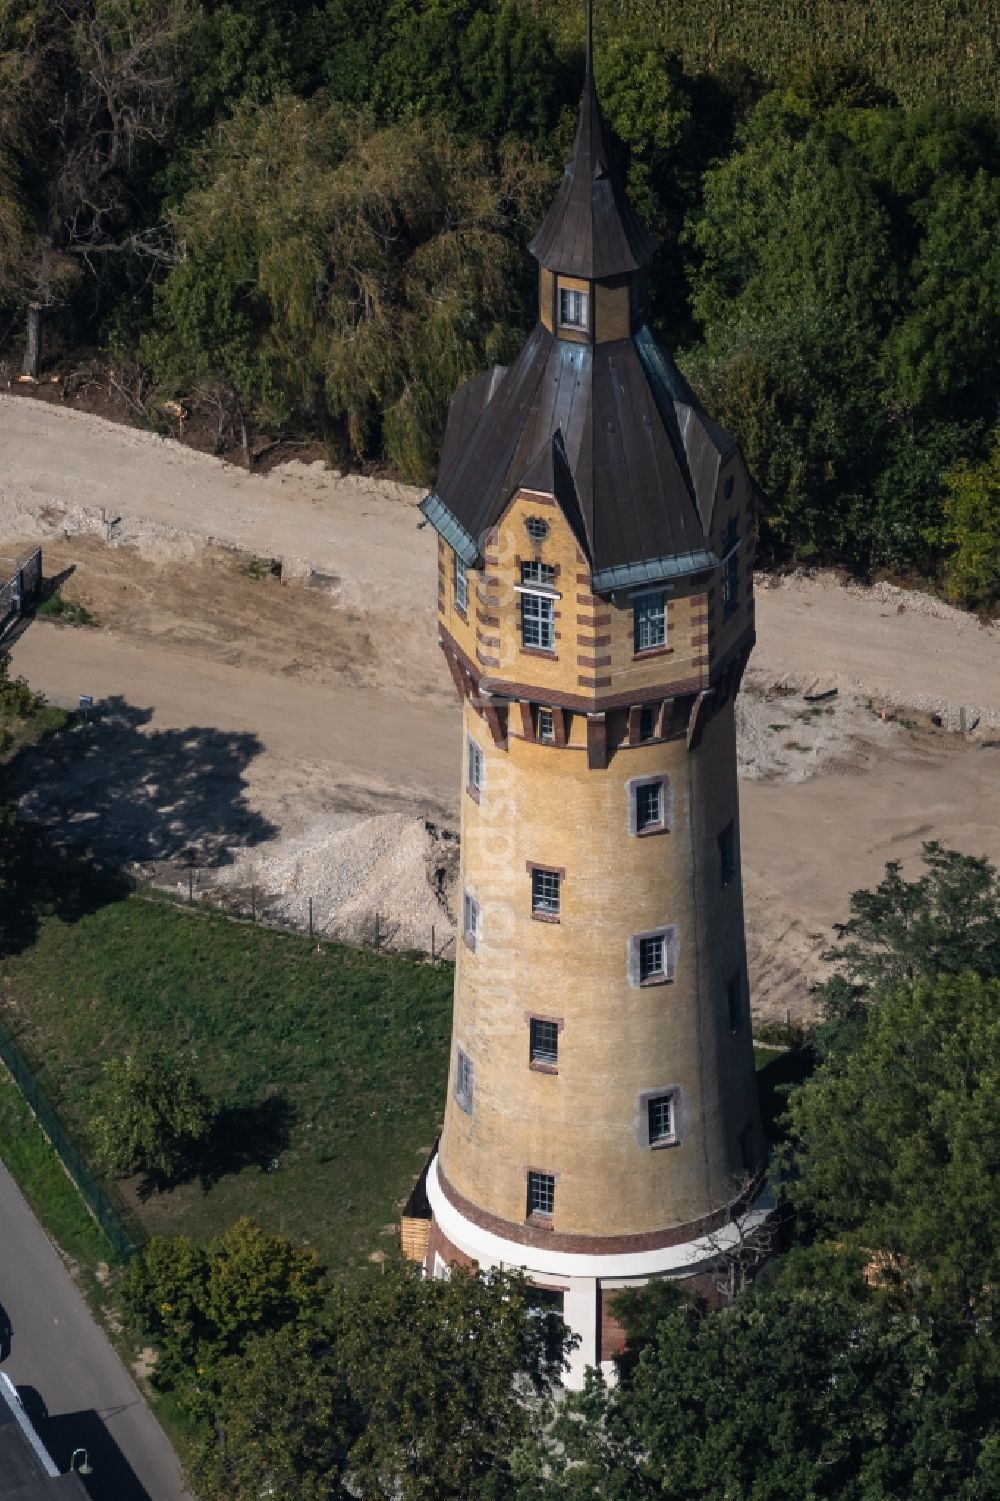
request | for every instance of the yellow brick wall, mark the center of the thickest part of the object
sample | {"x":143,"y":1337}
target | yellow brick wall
{"x":542,"y":804}
{"x":594,"y":657}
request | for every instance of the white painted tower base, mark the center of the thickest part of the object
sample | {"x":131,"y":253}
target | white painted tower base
{"x":581,"y":1277}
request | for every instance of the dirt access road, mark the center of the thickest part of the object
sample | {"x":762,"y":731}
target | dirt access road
{"x":313,"y":707}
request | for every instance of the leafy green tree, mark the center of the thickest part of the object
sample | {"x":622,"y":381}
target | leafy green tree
{"x":894,"y":1143}
{"x":487,"y":68}
{"x":283,"y":1424}
{"x":153,"y":1116}
{"x":200,"y":1305}
{"x":846,"y":282}
{"x":971,"y":532}
{"x":788,"y":1394}
{"x":447,"y":1375}
{"x":944,"y":922}
{"x":349,"y":275}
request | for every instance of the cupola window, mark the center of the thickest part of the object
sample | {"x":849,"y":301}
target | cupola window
{"x":574,"y":308}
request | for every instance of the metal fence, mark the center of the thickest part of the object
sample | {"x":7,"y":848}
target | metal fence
{"x":125,"y":1238}
{"x":22,"y":585}
{"x":252,"y":904}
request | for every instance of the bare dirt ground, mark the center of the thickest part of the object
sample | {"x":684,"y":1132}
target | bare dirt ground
{"x":301,"y":738}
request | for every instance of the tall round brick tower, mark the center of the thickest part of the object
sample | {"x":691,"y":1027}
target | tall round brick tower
{"x":596,"y":613}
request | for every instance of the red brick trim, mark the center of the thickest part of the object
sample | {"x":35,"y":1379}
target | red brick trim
{"x":536,"y":651}
{"x":527,"y":719}
{"x":524,"y":1233}
{"x":740,"y":648}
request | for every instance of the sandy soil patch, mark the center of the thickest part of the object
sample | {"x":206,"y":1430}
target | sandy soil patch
{"x":300,"y":739}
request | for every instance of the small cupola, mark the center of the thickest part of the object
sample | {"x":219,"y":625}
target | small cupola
{"x":591,"y":233}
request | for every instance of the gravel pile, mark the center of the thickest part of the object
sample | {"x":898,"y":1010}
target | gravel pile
{"x":400,"y":868}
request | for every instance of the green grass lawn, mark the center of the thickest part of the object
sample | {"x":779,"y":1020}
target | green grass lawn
{"x":350,"y":1045}
{"x":39,"y":1174}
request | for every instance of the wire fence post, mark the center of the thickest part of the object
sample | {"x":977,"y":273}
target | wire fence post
{"x":433,"y":945}
{"x":253,"y":902}
{"x":191,"y":886}
{"x":310,"y":917}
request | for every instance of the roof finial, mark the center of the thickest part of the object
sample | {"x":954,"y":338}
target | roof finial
{"x":590,"y":37}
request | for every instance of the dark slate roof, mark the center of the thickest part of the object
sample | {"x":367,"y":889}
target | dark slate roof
{"x":598,"y":426}
{"x":591,"y":230}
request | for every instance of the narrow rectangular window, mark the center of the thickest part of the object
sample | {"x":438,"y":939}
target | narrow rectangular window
{"x":461,"y":585}
{"x":652,"y":958}
{"x":538,"y":622}
{"x":727,"y":855}
{"x":541,"y":1194}
{"x":746,"y":1150}
{"x":544,"y":1041}
{"x":545,"y":892}
{"x":476,"y":767}
{"x":734,"y":1001}
{"x":470,"y":922}
{"x":573,"y":308}
{"x":546,"y":725}
{"x":661,"y":1119}
{"x":730,"y":569}
{"x":647,"y":721}
{"x":650,"y":621}
{"x":648,"y":806}
{"x":464,"y":1080}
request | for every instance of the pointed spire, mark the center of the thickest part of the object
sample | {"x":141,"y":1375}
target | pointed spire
{"x":591,"y":230}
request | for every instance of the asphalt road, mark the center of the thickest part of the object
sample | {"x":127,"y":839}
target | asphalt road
{"x":69,"y":1377}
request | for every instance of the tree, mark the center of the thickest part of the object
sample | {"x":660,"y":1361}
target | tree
{"x":792,"y":1393}
{"x":894,"y":1144}
{"x":351,"y":276}
{"x":447,"y":1375}
{"x":153,"y":1116}
{"x":283,"y":1424}
{"x":200,"y":1305}
{"x":944,"y":922}
{"x":971,"y":531}
{"x":846,"y":279}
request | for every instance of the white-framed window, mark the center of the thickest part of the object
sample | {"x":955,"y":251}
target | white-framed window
{"x":652,"y":957}
{"x":730,"y":568}
{"x":574,"y":308}
{"x":475,"y":767}
{"x":543,"y":1041}
{"x":660,"y":1119}
{"x":538,"y":622}
{"x":650,"y":620}
{"x":545,"y":892}
{"x":546,"y":725}
{"x":538,"y":606}
{"x":541,"y":1194}
{"x":464,"y":1080}
{"x":442,"y":1268}
{"x":649,"y":805}
{"x":472,"y":921}
{"x":461,"y":585}
{"x":734,"y":1001}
